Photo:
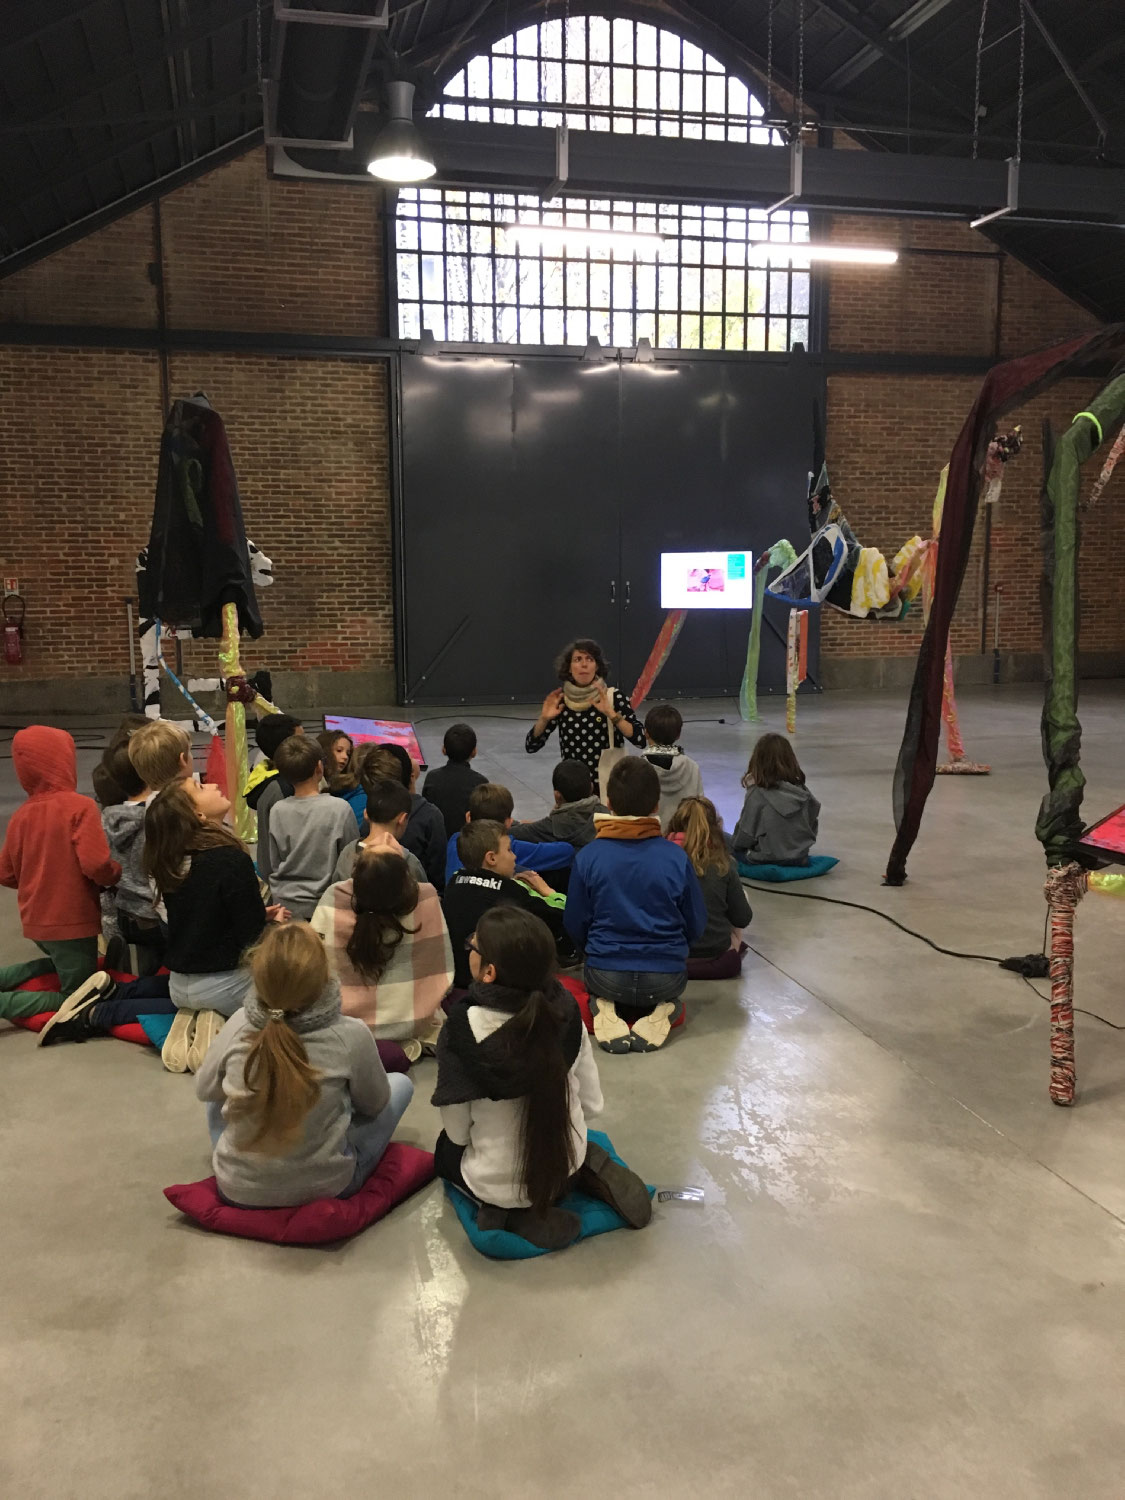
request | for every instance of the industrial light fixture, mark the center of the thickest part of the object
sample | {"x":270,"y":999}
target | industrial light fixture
{"x":644,"y":354}
{"x":856,"y":255}
{"x":399,"y":154}
{"x":578,"y":239}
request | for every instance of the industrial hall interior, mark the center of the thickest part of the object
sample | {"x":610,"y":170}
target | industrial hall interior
{"x":562,"y":807}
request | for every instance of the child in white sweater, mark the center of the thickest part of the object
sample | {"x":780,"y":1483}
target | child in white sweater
{"x":516,"y":1083}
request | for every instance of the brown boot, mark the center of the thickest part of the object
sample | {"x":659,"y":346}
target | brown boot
{"x":553,"y":1230}
{"x":601,"y":1177}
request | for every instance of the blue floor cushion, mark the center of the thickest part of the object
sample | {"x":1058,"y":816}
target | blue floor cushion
{"x":501,"y":1244}
{"x":819,"y":864}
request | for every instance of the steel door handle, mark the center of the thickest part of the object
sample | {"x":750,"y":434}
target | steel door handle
{"x":627,"y":593}
{"x":613,"y":590}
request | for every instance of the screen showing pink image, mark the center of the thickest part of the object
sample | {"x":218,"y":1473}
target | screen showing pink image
{"x":1109,"y":834}
{"x":706,"y":581}
{"x":377,"y":732}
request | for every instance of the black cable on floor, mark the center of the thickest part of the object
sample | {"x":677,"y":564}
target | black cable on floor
{"x":1078,"y":1010}
{"x":773,"y":890}
{"x":1017,"y":965}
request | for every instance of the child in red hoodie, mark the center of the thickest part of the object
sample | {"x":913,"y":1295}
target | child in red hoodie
{"x":56,"y":856}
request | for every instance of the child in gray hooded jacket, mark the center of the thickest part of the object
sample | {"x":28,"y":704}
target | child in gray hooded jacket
{"x":679,"y":775}
{"x":779,"y":818}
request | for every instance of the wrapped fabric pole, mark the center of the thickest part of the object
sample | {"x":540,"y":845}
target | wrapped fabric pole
{"x":1065,"y":887}
{"x":1059,"y":825}
{"x":673,"y":624}
{"x":244,"y":821}
{"x":748,"y":693}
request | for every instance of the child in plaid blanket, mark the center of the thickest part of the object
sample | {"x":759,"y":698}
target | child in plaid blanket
{"x":388,"y":945}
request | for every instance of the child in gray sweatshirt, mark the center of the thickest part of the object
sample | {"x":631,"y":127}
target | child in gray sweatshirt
{"x":322,"y":1128}
{"x":679,"y":775}
{"x":307,"y":831}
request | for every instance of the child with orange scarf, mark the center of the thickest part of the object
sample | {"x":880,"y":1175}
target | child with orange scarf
{"x":634,"y":906}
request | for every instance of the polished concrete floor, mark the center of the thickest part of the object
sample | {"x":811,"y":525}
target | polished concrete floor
{"x":907,"y":1278}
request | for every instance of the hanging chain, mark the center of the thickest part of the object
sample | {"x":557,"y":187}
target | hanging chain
{"x":769,"y":63}
{"x":801,"y":66}
{"x":1019,"y":97}
{"x":976,"y":90}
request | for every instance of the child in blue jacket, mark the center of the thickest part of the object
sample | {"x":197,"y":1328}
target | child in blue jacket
{"x":634,"y":906}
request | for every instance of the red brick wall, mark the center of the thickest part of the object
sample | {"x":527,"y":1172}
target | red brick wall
{"x":901,"y":432}
{"x":80,"y":430}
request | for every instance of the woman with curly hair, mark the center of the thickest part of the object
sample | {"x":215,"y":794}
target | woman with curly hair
{"x":593,"y":719}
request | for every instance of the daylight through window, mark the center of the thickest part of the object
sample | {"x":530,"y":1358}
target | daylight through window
{"x":700,"y":282}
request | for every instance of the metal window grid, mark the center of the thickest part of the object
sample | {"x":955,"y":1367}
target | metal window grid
{"x":462,"y":274}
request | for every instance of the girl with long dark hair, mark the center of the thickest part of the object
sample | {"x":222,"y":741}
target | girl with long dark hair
{"x":516,"y":1082}
{"x":387,"y":943}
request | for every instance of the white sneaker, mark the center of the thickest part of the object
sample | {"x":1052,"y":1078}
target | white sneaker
{"x":653,"y":1030}
{"x":208,"y":1024}
{"x":610,"y":1031}
{"x":174,"y":1053}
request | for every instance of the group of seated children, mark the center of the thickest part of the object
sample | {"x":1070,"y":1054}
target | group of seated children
{"x":280,"y":1007}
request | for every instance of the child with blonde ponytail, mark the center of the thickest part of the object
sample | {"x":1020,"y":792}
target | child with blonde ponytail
{"x":298,"y":1103}
{"x":697,"y":828}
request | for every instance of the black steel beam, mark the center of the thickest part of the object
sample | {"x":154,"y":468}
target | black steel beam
{"x":472,"y":154}
{"x":102,"y":216}
{"x":342,"y":347}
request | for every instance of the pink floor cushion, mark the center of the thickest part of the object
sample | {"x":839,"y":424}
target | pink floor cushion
{"x":49,"y":984}
{"x":402,"y":1171}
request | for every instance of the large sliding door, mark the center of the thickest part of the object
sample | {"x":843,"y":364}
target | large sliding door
{"x":536,"y":496}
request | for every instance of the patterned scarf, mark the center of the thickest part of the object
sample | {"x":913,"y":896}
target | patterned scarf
{"x":579,"y":698}
{"x":610,"y":827}
{"x":321,"y":1013}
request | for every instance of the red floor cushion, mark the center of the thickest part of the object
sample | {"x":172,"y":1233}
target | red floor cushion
{"x":402,"y":1171}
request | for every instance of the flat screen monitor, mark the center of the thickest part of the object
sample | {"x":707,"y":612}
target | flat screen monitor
{"x":706,"y":580}
{"x":1108,"y":836}
{"x":377,"y":732}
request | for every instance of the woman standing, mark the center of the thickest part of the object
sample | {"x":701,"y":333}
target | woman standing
{"x":591,"y":717}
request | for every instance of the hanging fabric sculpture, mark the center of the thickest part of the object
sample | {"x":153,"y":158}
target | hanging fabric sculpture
{"x":197,"y":574}
{"x":1006,"y":386}
{"x":198,"y":556}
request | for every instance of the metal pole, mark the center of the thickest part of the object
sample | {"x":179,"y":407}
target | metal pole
{"x":134,"y":696}
{"x":996,"y":638}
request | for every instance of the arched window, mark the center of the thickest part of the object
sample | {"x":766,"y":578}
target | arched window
{"x":474,"y":266}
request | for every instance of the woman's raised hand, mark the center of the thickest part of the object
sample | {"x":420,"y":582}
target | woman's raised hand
{"x":604,"y":703}
{"x":552,"y":705}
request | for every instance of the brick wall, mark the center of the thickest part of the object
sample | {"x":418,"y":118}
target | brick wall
{"x":81,"y":428}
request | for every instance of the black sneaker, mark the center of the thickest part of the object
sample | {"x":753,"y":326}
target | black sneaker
{"x":71,"y":1022}
{"x":601,"y":1177}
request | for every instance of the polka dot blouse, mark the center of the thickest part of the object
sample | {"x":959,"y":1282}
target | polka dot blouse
{"x":583,"y":736}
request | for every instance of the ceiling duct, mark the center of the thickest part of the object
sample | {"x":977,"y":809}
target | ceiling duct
{"x":320,"y":55}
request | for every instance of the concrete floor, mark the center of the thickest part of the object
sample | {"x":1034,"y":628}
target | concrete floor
{"x":907,"y":1279}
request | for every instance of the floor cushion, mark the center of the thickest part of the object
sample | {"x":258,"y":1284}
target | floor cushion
{"x":402,"y":1171}
{"x":819,"y":864}
{"x":501,"y":1244}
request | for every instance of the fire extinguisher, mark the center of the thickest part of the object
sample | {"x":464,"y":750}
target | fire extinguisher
{"x":14,"y":609}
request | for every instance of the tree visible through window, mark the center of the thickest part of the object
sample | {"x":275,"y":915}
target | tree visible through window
{"x":466,"y":272}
